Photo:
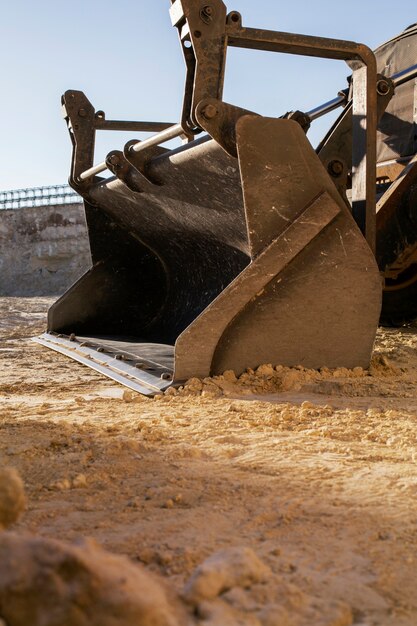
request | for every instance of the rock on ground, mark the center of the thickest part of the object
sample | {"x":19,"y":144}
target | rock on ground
{"x":12,"y":496}
{"x":45,"y":582}
{"x":233,"y":567}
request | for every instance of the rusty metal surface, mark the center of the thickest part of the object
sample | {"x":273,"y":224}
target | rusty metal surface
{"x":202,"y":30}
{"x":79,"y":115}
{"x":364,"y":112}
{"x":312,"y":292}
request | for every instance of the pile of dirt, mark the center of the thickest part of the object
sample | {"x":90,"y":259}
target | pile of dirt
{"x":267,"y":379}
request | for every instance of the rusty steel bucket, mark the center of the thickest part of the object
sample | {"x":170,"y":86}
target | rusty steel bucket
{"x":233,"y":250}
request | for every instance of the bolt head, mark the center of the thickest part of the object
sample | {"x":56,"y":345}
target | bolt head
{"x":114,"y":159}
{"x":209,"y":111}
{"x":382,"y":87}
{"x":335,"y":168}
{"x":82,"y":113}
{"x":206,"y":14}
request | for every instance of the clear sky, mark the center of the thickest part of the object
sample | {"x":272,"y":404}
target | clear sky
{"x":126,"y":57}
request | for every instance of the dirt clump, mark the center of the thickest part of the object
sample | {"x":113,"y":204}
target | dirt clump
{"x":271,"y":380}
{"x":44,"y":582}
{"x":232,"y":567}
{"x":12,"y":496}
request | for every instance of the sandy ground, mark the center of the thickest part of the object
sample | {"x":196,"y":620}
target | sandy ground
{"x":319,"y":478}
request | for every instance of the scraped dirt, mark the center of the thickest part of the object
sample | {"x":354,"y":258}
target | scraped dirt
{"x":295,"y":491}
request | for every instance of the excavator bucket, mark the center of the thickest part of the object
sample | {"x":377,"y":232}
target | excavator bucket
{"x":234,"y":249}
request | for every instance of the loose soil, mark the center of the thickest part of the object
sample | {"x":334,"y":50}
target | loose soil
{"x":315,"y":472}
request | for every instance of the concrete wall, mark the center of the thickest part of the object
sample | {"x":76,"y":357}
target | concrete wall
{"x":43,"y":250}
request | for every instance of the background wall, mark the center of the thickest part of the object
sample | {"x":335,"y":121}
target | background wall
{"x":43,"y":250}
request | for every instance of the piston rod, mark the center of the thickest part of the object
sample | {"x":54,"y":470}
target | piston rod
{"x":403,"y":77}
{"x":327,"y":107}
{"x":165,"y":135}
{"x":172,"y":132}
{"x":92,"y":171}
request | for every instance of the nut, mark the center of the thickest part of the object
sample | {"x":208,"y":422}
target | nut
{"x":335,"y":168}
{"x":114,"y":159}
{"x":206,"y":14}
{"x":209,"y":112}
{"x":382,"y":87}
{"x":235,"y":17}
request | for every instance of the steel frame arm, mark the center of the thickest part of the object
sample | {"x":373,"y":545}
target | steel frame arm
{"x":206,"y":31}
{"x":83,"y":121}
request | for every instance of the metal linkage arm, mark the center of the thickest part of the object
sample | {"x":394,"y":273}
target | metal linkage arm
{"x":205,"y":33}
{"x":83,"y":122}
{"x":100,"y":123}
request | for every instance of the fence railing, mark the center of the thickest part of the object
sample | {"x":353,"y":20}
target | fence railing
{"x":38,"y":196}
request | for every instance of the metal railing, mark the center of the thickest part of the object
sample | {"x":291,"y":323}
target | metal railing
{"x":38,"y":196}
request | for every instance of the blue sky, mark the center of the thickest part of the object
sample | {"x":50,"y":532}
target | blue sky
{"x":126,"y":57}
